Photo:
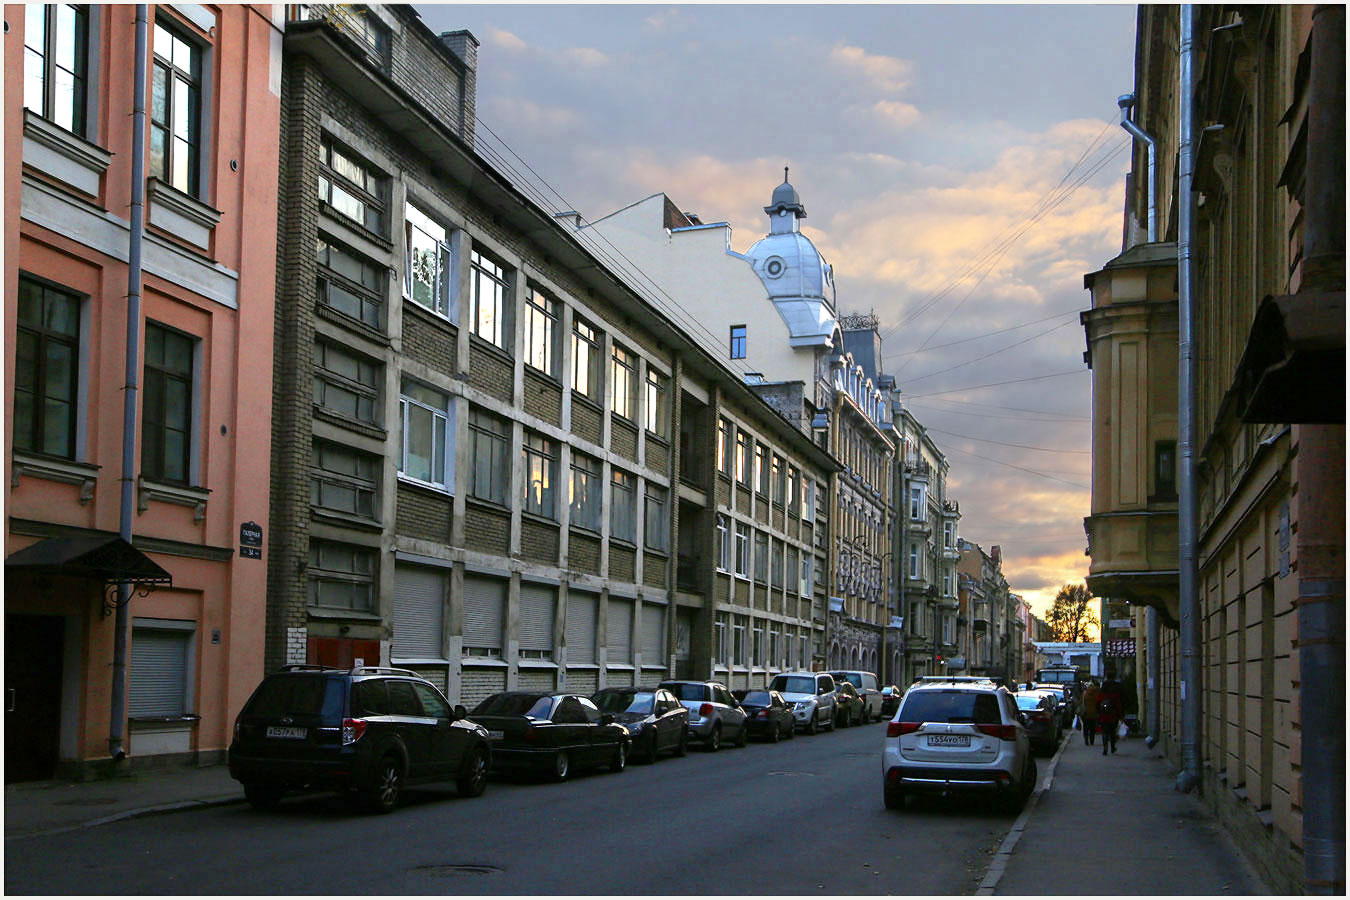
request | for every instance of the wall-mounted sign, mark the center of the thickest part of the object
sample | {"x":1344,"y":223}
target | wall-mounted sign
{"x":250,"y":540}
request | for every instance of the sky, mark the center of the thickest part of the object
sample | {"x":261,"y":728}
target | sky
{"x":962,"y":168}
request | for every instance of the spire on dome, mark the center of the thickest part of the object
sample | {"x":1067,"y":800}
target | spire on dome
{"x":785,"y":199}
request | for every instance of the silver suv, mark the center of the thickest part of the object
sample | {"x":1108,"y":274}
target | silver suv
{"x":714,"y":715}
{"x":866,"y":685}
{"x":957,"y":735}
{"x":811,"y":696}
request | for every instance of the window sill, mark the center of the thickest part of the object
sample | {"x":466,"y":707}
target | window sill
{"x":665,"y":554}
{"x":345,"y":519}
{"x":585,"y":531}
{"x":552,"y":380}
{"x":623,"y":543}
{"x":621,"y":667}
{"x":539,"y":519}
{"x":486,"y":662}
{"x":619,"y":418}
{"x":354,"y":615}
{"x":436,"y":319}
{"x":480,"y":343}
{"x":184,"y":722}
{"x":54,"y":469}
{"x":487,"y":505}
{"x":424,"y":486}
{"x":536,"y":664}
{"x":64,"y":155}
{"x":655,"y":438}
{"x":179,"y":215}
{"x":592,"y":667}
{"x":578,"y":397}
{"x":355,"y":326}
{"x":355,"y":227}
{"x":366,"y":428}
{"x":742,"y":577}
{"x":169,"y":493}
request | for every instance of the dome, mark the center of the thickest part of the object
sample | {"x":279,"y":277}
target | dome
{"x":785,"y":198}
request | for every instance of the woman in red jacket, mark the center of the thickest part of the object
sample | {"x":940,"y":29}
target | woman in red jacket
{"x":1110,"y":707}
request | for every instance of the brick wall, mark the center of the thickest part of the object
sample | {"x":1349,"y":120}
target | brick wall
{"x":623,"y":438}
{"x":654,"y":569}
{"x":487,"y":530}
{"x":422,"y":514}
{"x":583,"y":553}
{"x":586,"y":421}
{"x":543,"y":397}
{"x":539,"y":541}
{"x":429,"y":339}
{"x":622,"y":563}
{"x":490,"y":371}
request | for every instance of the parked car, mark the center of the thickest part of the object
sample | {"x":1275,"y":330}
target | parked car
{"x":1041,"y":719}
{"x":654,"y":717}
{"x":714,"y":715}
{"x":848,"y":707}
{"x":367,"y":731}
{"x":554,"y":734}
{"x":1065,"y":705}
{"x":890,"y":700}
{"x":768,"y":715}
{"x":865,"y":683}
{"x":812,"y":695}
{"x":957,"y":735}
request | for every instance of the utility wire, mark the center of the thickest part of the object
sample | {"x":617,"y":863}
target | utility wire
{"x":976,"y":387}
{"x":1021,"y":468}
{"x":1043,"y":412}
{"x":898,"y":354}
{"x":1005,"y":444}
{"x":989,"y":415}
{"x":971,"y":362}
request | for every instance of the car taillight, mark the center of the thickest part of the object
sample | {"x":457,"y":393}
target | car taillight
{"x":763,"y":714}
{"x":1041,"y":716}
{"x":895,"y":729}
{"x":530,"y":734}
{"x":1002,"y":732}
{"x":705,"y":710}
{"x":352,"y":729}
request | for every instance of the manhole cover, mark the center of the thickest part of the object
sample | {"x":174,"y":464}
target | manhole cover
{"x":460,"y":869}
{"x":808,"y":774}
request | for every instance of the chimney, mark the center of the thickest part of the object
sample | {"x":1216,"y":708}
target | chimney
{"x":465,"y":46}
{"x":996,"y":554}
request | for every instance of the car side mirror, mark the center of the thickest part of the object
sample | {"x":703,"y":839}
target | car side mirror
{"x":460,"y":711}
{"x":607,"y":719}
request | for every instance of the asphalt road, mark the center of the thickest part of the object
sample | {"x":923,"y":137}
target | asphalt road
{"x":799,"y":817}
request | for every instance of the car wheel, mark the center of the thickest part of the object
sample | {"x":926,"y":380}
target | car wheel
{"x":744,"y":737}
{"x":620,"y":759}
{"x":561,"y":764}
{"x":792,"y":729}
{"x":473,"y":780}
{"x":683,"y":746}
{"x":714,"y":742}
{"x":894,"y":795}
{"x":263,"y":796}
{"x":815,"y":724}
{"x":383,"y":795}
{"x":651,"y":751}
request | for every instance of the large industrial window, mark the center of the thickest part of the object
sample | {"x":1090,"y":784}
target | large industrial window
{"x":541,"y":332}
{"x":540,"y":456}
{"x":426,"y":436}
{"x":56,"y":63}
{"x":349,"y":283}
{"x":46,"y":370}
{"x":351,"y":187}
{"x":491,"y":472}
{"x":426,"y":262}
{"x":488,"y":294}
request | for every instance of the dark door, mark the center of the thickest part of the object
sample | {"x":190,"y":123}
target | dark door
{"x":33,"y":650}
{"x":445,"y":741}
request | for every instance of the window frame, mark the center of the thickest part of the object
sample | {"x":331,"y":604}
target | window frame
{"x":723,"y":543}
{"x":587,"y":341}
{"x":623,"y":506}
{"x":370,"y":194}
{"x":43,"y":337}
{"x":328,"y":276}
{"x":585,"y":502}
{"x":491,"y":434}
{"x":761,"y":557}
{"x":539,"y":454}
{"x":442,"y":418}
{"x":317,"y":574}
{"x":190,"y":425}
{"x":337,"y":380}
{"x":623,"y":375}
{"x":416,"y":222}
{"x":193,"y":80}
{"x":723,"y":445}
{"x":492,"y":326}
{"x":655,"y":533}
{"x":742,"y":472}
{"x":743,"y":559}
{"x":50,"y":64}
{"x":738,"y":342}
{"x":361,"y":484}
{"x":542,"y":311}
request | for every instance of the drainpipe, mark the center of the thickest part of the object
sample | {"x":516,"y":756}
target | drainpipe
{"x":117,"y":721}
{"x":1189,"y":777}
{"x":1154,"y":671}
{"x":1321,"y":461}
{"x":1126,"y":102}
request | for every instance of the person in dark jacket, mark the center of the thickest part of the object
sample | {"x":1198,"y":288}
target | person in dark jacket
{"x":1110,"y":708}
{"x":1087,"y":713}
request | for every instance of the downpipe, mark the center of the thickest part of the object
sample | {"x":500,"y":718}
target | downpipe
{"x":118,"y":695}
{"x":1126,"y":103}
{"x":1189,"y":777}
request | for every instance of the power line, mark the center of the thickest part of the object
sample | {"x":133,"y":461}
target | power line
{"x":993,"y":353}
{"x":1004,"y":444}
{"x":976,"y":387}
{"x":989,"y":415}
{"x":1020,"y":468}
{"x":1042,"y":412}
{"x":1072,"y":312}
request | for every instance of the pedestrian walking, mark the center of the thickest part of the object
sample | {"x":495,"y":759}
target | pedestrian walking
{"x":1110,"y":707}
{"x":1087,"y":713}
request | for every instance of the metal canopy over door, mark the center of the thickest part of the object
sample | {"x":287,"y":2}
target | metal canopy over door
{"x":537,"y":603}
{"x":484,"y":609}
{"x":580,"y":630}
{"x":419,"y":613}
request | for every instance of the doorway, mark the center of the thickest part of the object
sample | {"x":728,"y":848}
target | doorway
{"x":33,"y":662}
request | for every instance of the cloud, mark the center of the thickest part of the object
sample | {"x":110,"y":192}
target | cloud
{"x":895,"y":114}
{"x":888,"y":73}
{"x":587,"y":57}
{"x":504,"y":40}
{"x":532,"y":118}
{"x":661,"y":19}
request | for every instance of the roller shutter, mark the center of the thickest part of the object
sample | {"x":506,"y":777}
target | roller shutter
{"x":157,"y":683}
{"x":619,"y":678}
{"x":477,"y":685}
{"x":619,"y":634}
{"x":484,"y":609}
{"x":419,"y":613}
{"x":653,"y":634}
{"x":581,"y":612}
{"x":583,"y":681}
{"x":535,"y":680}
{"x":537,"y":603}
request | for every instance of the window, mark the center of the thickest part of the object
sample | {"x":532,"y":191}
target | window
{"x":791,"y":569}
{"x":424,"y":414}
{"x":46,"y":370}
{"x":56,"y":63}
{"x":624,"y":373}
{"x":738,"y":648}
{"x":658,"y":409}
{"x":345,"y":383}
{"x":723,"y":440}
{"x":358,"y":23}
{"x":915,"y":502}
{"x":723,"y":544}
{"x":176,"y":111}
{"x":776,"y":567}
{"x":757,"y":645}
{"x":742,"y":549}
{"x":948,"y":531}
{"x":487,"y":291}
{"x":773,"y":658}
{"x":792,"y":503}
{"x":742,"y":458}
{"x":350,"y":187}
{"x":540,"y":456}
{"x":541,"y":332}
{"x":761,"y":557}
{"x":585,"y":360}
{"x":720,"y":637}
{"x":807,"y":561}
{"x":738,"y":342}
{"x":779,"y":494}
{"x":426,"y":262}
{"x":341,"y":576}
{"x":623,"y":506}
{"x":488,"y":439}
{"x":913,"y":560}
{"x":1165,"y":470}
{"x":656,"y":533}
{"x":159,"y":682}
{"x":537,"y":603}
{"x":166,"y":407}
{"x":344,"y":480}
{"x":349,"y":283}
{"x":808,"y":498}
{"x":585,"y":500}
{"x":946,"y":584}
{"x":761,"y":471}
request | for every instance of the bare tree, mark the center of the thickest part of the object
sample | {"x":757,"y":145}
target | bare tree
{"x":1070,"y":617}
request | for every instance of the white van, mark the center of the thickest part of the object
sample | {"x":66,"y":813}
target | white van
{"x":868,"y":690}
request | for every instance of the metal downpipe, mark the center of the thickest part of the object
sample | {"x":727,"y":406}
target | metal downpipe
{"x":1154,"y":671}
{"x":118,"y":697}
{"x":1189,"y":777}
{"x":1126,"y":102}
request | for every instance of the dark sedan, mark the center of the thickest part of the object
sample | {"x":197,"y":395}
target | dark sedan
{"x":848,"y":705}
{"x":655,"y":719}
{"x":553,"y":734}
{"x":890,"y":700}
{"x":1041,"y":719}
{"x":767,"y":715}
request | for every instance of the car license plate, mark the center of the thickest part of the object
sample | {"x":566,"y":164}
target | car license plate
{"x":282,"y":731}
{"x":496,"y":735}
{"x":949,"y":740}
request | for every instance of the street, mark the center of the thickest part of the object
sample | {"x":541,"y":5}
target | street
{"x":799,"y":817}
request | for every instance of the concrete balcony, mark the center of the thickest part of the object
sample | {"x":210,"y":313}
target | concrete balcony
{"x":1134,"y":557}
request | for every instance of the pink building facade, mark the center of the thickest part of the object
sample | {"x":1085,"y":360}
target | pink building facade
{"x":194,"y":639}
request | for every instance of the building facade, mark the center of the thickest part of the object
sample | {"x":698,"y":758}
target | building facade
{"x":188,"y":480}
{"x":1261,"y":250}
{"x":996,"y":627}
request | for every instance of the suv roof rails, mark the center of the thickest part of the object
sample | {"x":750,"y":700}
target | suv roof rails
{"x":309,"y":667}
{"x":382,"y":670}
{"x":967,"y":679}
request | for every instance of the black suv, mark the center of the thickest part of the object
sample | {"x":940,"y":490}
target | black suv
{"x":366,"y":731}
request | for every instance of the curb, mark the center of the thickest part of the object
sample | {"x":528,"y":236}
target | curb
{"x":999,"y":864}
{"x":161,"y":809}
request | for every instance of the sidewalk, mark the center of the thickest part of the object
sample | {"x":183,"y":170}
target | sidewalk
{"x":1116,"y":825}
{"x":49,"y":807}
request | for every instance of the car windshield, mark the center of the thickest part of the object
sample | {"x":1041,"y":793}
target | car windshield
{"x":1027,"y":701}
{"x":793,"y":684}
{"x":531,"y":706}
{"x":688,"y":691}
{"x":951,"y":706}
{"x":851,"y":677}
{"x":289,"y":695}
{"x":624,"y":701}
{"x":756,"y":698}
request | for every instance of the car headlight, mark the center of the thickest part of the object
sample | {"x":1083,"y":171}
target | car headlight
{"x":635,"y":727}
{"x":804,"y":705}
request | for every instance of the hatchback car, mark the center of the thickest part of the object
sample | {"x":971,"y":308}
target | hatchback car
{"x":890,"y":700}
{"x":653,"y":716}
{"x":812,"y":695}
{"x":953,"y":735}
{"x":550,"y":733}
{"x":848,"y":705}
{"x":714,"y":715}
{"x":1041,"y":719}
{"x":865,"y":683}
{"x":768,"y":715}
{"x":368,"y":731}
